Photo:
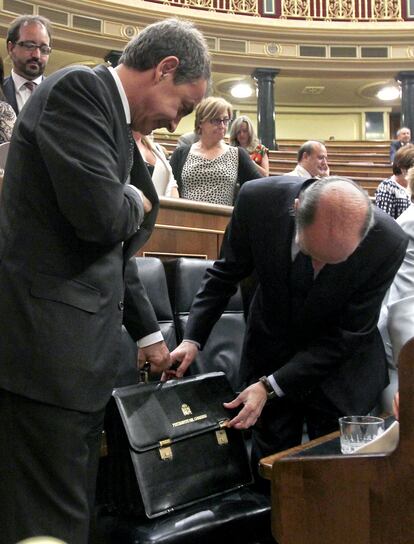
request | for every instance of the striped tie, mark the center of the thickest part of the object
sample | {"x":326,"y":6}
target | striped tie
{"x":30,"y":85}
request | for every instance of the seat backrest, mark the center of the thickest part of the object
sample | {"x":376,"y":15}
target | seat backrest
{"x":223,"y":348}
{"x":152,"y":275}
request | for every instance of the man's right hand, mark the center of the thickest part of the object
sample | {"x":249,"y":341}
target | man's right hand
{"x":181,"y":359}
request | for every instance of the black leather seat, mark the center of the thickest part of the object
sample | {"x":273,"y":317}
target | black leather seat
{"x":222,"y":351}
{"x":239,"y":516}
{"x":152,"y":274}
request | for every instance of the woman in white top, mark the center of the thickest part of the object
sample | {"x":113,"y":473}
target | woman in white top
{"x":158,"y":165}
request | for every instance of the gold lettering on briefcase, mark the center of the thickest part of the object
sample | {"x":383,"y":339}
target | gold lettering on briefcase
{"x":186,"y":410}
{"x":189,"y":420}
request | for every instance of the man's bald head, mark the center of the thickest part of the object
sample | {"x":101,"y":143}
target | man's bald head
{"x":333,"y":215}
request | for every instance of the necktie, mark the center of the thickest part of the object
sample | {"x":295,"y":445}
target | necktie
{"x":301,"y":281}
{"x":31,"y":85}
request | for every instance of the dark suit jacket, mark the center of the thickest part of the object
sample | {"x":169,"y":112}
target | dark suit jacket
{"x":333,"y":344}
{"x":68,"y":225}
{"x":394,"y":147}
{"x":10,"y":93}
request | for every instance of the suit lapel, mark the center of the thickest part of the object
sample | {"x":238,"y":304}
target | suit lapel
{"x":139,"y":175}
{"x":10,"y":93}
{"x":122,"y":129}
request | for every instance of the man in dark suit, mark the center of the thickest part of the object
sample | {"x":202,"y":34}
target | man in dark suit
{"x":77,"y":203}
{"x":324,"y":260}
{"x":403,"y":138}
{"x":28,"y":45}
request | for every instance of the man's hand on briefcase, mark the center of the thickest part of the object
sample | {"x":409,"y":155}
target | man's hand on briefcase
{"x":181,"y":359}
{"x":254,"y":398}
{"x":157,"y":355}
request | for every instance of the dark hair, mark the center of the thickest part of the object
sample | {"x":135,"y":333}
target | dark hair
{"x":307,"y":148}
{"x":311,"y":196}
{"x":13,"y":31}
{"x":170,"y":37}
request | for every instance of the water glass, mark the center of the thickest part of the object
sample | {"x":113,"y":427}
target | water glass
{"x":355,"y":431}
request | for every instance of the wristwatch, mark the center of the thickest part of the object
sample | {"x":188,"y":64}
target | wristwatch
{"x":271,"y":393}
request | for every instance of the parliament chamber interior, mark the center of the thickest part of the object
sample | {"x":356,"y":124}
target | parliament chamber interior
{"x":310,"y":70}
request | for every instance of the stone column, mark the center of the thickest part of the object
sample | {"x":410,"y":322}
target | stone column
{"x":266,"y":106}
{"x":113,"y":57}
{"x":407,"y":99}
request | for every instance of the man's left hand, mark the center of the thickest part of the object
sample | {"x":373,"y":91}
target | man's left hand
{"x":254,"y":398}
{"x":157,"y":355}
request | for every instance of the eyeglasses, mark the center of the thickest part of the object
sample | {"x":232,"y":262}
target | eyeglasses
{"x":31,"y":46}
{"x":217,"y":121}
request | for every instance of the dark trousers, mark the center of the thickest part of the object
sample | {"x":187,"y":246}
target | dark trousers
{"x":48,"y":465}
{"x":280,"y":426}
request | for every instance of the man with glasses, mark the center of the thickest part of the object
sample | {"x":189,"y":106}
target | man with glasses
{"x":28,"y":45}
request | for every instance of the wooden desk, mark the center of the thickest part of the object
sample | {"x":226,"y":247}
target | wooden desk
{"x":329,"y":498}
{"x":186,"y":228}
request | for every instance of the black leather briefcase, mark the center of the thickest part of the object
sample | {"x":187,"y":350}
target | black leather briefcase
{"x":172,"y":448}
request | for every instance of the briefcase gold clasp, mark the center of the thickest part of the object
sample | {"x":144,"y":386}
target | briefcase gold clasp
{"x":221,"y":437}
{"x":165,"y":450}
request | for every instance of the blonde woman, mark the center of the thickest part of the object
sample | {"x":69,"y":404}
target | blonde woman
{"x":242,"y":134}
{"x":210,"y":170}
{"x":158,"y":166}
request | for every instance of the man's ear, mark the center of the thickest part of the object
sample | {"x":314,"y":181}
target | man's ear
{"x":296,"y":204}
{"x":9,"y":47}
{"x":167,"y":67}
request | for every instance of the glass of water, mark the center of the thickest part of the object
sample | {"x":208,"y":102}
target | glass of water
{"x":355,"y":431}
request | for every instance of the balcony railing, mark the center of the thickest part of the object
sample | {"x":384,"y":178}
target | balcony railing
{"x":349,"y":10}
{"x":241,"y":7}
{"x":325,"y":10}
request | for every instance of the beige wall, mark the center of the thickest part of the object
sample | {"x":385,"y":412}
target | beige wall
{"x":304,"y":124}
{"x":318,"y":126}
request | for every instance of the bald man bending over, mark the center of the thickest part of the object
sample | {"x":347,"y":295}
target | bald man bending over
{"x":324,"y":259}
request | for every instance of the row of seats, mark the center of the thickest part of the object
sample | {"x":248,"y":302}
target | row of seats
{"x":242,"y":515}
{"x":171,"y":287}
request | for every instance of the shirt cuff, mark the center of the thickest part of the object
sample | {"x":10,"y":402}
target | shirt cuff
{"x":152,"y":338}
{"x":192,"y":342}
{"x":137,"y":191}
{"x":273,"y":383}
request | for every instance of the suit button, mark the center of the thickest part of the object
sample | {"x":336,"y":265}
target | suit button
{"x":121,"y":305}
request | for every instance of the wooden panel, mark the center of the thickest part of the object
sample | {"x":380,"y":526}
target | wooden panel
{"x":348,"y":499}
{"x":188,"y":228}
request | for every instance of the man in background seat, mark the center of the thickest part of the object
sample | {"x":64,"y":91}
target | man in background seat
{"x":312,"y":161}
{"x":403,"y":138}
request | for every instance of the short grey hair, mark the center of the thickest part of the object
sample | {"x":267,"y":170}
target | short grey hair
{"x":402,"y":128}
{"x":171,"y":37}
{"x":311,"y":196}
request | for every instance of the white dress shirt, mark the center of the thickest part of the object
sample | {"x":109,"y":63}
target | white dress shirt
{"x":155,"y":336}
